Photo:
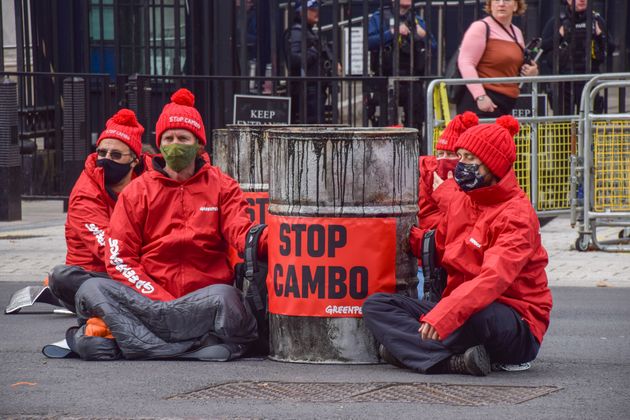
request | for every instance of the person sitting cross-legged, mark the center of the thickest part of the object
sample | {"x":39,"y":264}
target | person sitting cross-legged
{"x":496,"y":304}
{"x":171,"y":290}
{"x":117,"y":161}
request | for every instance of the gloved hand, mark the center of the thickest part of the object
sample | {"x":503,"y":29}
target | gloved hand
{"x":96,"y":327}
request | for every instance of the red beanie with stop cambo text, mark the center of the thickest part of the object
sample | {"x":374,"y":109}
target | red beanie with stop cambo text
{"x":180,"y":113}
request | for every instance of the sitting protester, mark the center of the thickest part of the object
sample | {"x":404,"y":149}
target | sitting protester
{"x":167,"y":253}
{"x":118,"y":159}
{"x":496,"y":304}
{"x":433,"y":201}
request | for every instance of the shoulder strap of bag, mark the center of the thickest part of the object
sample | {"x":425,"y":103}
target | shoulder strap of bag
{"x":251,"y":262}
{"x":511,"y":35}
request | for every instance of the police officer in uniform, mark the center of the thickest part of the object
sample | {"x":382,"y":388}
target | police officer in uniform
{"x":318,"y":64}
{"x":412,"y":36}
{"x":572,"y":35}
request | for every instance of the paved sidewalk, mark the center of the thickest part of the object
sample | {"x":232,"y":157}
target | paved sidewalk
{"x":29,"y":248}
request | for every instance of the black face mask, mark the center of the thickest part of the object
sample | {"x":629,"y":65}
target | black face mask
{"x":467,"y":176}
{"x":114,"y":171}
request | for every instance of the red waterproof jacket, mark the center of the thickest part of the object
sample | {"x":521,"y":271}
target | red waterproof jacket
{"x":169,"y":238}
{"x":89,"y":210}
{"x":432,"y":205}
{"x":490,"y":245}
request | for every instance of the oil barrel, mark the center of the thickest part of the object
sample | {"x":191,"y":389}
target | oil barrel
{"x":341,"y":204}
{"x":241,"y":152}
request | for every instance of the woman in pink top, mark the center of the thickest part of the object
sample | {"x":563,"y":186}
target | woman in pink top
{"x":493,"y":47}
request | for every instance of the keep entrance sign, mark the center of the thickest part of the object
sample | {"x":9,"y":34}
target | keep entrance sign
{"x":259,"y":110}
{"x":327,"y":267}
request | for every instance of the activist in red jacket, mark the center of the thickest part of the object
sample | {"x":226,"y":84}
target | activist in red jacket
{"x":171,"y":228}
{"x":433,"y":202}
{"x":496,"y":304}
{"x":118,"y":159}
{"x":168,"y":241}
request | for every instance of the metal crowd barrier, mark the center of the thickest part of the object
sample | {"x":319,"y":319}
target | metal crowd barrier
{"x":602,"y":169}
{"x":544,"y":144}
{"x":555,"y":152}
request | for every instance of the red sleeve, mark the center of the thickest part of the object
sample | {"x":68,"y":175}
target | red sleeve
{"x":124,"y":245}
{"x":429,"y":214}
{"x":444,"y":194}
{"x":502,"y":262}
{"x":88,"y":215}
{"x":416,"y":235}
{"x":235,"y":221}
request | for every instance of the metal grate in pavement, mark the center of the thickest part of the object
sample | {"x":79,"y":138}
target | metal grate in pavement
{"x":392,"y":392}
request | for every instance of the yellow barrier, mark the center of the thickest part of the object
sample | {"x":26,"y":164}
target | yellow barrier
{"x":556,"y":143}
{"x":611,"y":164}
{"x":522,"y":166}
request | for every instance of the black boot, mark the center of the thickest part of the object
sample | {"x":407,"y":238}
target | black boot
{"x":475,"y":361}
{"x":386,"y":356}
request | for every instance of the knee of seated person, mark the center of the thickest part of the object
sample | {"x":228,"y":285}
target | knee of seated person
{"x":57,"y":276}
{"x":224,"y":292}
{"x":373,"y":302}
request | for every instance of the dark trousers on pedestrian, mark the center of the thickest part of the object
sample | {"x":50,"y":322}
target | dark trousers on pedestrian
{"x":504,"y":104}
{"x":65,"y":280}
{"x":394,"y":321}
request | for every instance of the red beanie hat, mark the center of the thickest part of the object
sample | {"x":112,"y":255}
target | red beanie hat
{"x":492,"y":143}
{"x":124,"y":126}
{"x":454,"y":129}
{"x":180,"y":113}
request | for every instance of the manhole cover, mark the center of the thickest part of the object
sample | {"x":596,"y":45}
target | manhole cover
{"x":429,"y":393}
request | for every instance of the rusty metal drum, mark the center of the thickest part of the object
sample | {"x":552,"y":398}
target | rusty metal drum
{"x":241,"y":151}
{"x":341,"y":204}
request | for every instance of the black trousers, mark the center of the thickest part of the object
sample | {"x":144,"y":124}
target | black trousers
{"x":504,"y":104}
{"x":394,"y":321}
{"x":65,"y":280}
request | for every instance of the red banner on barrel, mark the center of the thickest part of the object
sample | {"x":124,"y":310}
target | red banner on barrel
{"x":327,"y":267}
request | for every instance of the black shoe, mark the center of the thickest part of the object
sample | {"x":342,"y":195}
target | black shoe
{"x":389,"y":358}
{"x":475,"y":361}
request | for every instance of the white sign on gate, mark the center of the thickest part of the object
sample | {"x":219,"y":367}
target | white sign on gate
{"x":353,"y":51}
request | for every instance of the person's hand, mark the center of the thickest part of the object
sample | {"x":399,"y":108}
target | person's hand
{"x":598,"y":30}
{"x":437,"y":181}
{"x":528,"y":70}
{"x":427,"y":332}
{"x":339,"y":69}
{"x":403,"y":29}
{"x":486,"y":104}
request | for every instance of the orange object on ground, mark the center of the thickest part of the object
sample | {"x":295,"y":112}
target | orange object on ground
{"x":46,"y":281}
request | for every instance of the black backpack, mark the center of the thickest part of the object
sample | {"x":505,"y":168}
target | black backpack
{"x":434,"y":275}
{"x":251,"y":278}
